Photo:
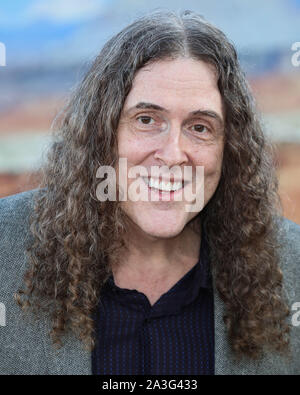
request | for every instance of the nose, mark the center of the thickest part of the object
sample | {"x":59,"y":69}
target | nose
{"x":171,"y":150}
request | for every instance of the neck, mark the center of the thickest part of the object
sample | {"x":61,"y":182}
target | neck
{"x":156,"y":260}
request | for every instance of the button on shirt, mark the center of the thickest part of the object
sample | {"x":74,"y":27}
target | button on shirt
{"x":174,"y":336}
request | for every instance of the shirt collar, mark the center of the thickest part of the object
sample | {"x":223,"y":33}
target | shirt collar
{"x":184,"y":292}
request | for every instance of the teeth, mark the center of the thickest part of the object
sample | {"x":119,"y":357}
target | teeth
{"x":163,"y":186}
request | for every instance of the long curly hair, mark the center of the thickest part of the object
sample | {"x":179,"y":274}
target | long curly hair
{"x":75,"y":237}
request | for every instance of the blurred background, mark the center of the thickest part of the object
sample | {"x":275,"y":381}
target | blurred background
{"x":50,"y":44}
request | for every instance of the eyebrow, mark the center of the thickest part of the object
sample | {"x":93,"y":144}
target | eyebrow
{"x":151,"y":106}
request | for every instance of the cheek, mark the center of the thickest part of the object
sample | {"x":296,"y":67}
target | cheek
{"x":212,"y":162}
{"x":211,"y":158}
{"x":131,"y":148}
{"x":214,"y":166}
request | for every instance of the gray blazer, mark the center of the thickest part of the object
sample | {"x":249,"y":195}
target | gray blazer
{"x":25,"y":346}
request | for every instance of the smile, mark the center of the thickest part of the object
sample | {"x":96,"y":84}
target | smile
{"x":162,"y":185}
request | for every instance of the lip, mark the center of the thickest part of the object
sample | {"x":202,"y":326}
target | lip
{"x":171,"y":179}
{"x":163,"y":195}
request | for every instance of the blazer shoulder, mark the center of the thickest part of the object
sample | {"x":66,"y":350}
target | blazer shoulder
{"x":22,"y":339}
{"x":15,"y":211}
{"x":290,"y":258}
{"x":290,"y":226}
{"x":290,"y":236}
{"x":15,"y":236}
{"x":16,"y":208}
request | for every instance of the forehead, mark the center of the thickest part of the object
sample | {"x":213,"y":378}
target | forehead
{"x":182,"y":84}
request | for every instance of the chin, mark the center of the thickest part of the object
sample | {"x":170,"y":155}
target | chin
{"x":157,"y":223}
{"x":162,"y":233}
{"x":160,"y":229}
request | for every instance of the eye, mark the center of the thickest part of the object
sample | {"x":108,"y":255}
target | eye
{"x":199,"y":128}
{"x":145,"y":120}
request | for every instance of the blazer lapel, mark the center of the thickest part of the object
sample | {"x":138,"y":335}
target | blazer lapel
{"x":225,"y":364}
{"x":71,"y":359}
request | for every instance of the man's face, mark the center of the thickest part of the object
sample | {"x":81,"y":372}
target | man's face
{"x":173,"y":116}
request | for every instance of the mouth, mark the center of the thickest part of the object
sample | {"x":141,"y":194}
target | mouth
{"x":162,"y":187}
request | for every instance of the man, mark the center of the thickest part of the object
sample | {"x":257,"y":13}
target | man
{"x":149,"y":286}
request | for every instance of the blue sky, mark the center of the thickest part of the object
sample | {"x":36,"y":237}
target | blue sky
{"x":76,"y":29}
{"x":24,"y":12}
